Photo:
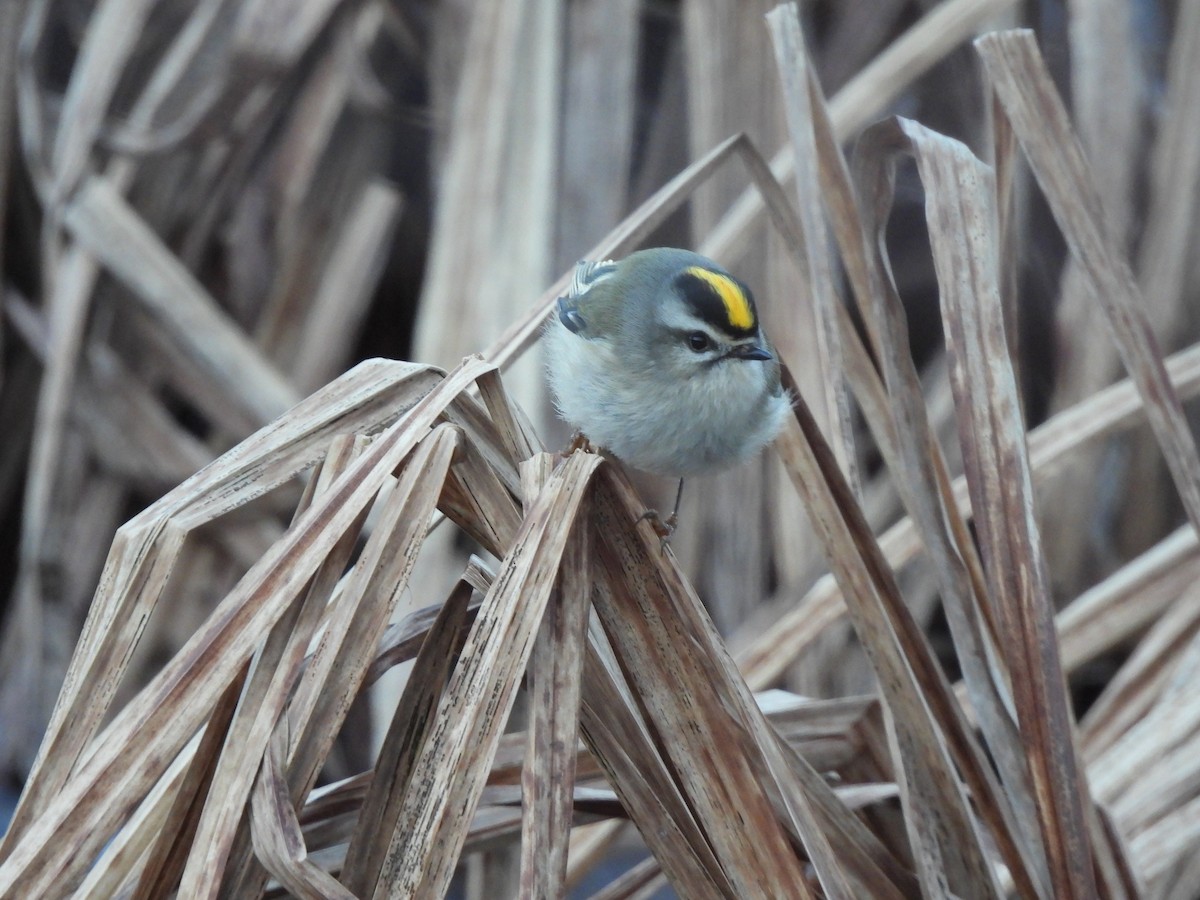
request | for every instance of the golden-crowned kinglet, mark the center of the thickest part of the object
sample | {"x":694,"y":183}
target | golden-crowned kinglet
{"x":660,"y":360}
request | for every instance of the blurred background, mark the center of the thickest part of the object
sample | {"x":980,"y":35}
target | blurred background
{"x":210,"y":208}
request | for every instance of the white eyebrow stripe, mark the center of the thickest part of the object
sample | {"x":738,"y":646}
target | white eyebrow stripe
{"x":682,"y":320}
{"x":679,"y":319}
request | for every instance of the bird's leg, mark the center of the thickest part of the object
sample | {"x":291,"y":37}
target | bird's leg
{"x":673,"y":518}
{"x":664,"y":528}
{"x":579,"y":441}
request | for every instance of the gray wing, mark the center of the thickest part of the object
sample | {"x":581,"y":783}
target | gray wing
{"x":568,"y":314}
{"x":587,"y":275}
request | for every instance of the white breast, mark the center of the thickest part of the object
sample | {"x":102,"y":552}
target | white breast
{"x":719,"y":417}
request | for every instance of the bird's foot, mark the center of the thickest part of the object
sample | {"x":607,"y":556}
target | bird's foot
{"x":664,"y":528}
{"x":579,"y":441}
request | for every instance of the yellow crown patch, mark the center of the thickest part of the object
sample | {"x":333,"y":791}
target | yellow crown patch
{"x":737,"y":304}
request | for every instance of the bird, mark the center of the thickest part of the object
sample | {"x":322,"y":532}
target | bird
{"x":660,"y":360}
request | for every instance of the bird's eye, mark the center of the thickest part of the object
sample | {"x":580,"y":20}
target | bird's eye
{"x":699,"y":341}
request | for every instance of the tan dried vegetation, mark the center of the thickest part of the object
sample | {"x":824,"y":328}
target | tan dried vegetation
{"x":199,"y":211}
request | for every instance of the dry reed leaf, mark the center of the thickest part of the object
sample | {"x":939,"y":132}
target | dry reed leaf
{"x":826,"y":734}
{"x":161,"y":867}
{"x":1163,"y":744}
{"x":641,"y":881}
{"x":73,"y":809}
{"x":346,"y":285}
{"x":490,"y":243}
{"x":439,"y":651}
{"x":404,"y":639}
{"x":1132,"y":693}
{"x":869,"y":394}
{"x":1170,"y":841}
{"x":131,"y":429}
{"x":259,"y":465}
{"x":598,"y":119}
{"x":328,"y":819}
{"x":1127,"y":602}
{"x":921,"y":479}
{"x":139,"y":847}
{"x":467,"y":725}
{"x":823,"y":738}
{"x":614,"y":727}
{"x":864,"y":97}
{"x":276,"y":668}
{"x":893,"y":644}
{"x":1134,"y":753}
{"x":1050,"y":446}
{"x":959,"y":203}
{"x":335,"y":672}
{"x":111,"y":38}
{"x":278,"y":841}
{"x":22,"y":661}
{"x":1012,"y":210}
{"x":848,"y":858}
{"x":1019,"y":77}
{"x":867,"y":274}
{"x":102,"y":221}
{"x":1174,"y":179}
{"x":849,"y":231}
{"x":795,"y":73}
{"x":684,"y":709}
{"x":10,"y":18}
{"x":277,"y":33}
{"x":358,"y":616}
{"x":554,"y":685}
{"x":234,"y":713}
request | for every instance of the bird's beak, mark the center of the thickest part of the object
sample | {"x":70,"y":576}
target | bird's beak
{"x":751,"y":351}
